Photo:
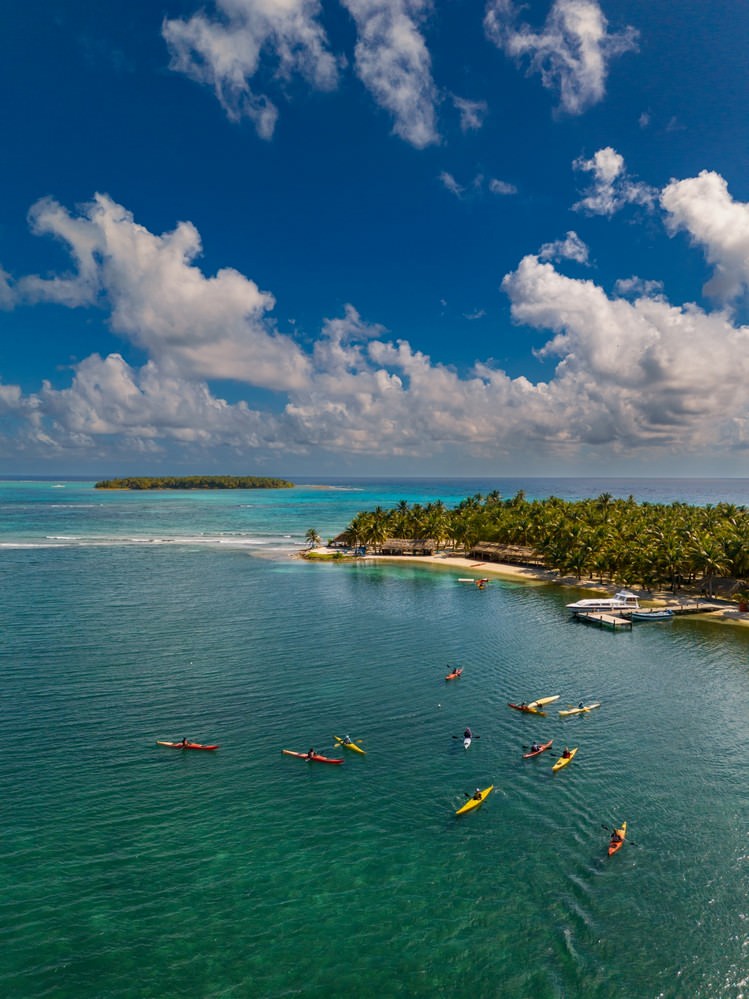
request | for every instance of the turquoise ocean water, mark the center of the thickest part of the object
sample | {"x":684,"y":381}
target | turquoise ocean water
{"x":129,"y":871}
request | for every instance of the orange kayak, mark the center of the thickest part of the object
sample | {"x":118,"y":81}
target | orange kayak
{"x":617,"y":844}
{"x":541,"y":749}
{"x":455,"y":674}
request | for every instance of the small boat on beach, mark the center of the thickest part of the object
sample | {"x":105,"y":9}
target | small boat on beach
{"x":652,"y":614}
{"x":623,"y":600}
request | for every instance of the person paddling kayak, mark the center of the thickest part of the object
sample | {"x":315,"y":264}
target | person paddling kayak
{"x":468,"y":734}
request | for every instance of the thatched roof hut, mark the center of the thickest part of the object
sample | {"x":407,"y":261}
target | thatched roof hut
{"x":492,"y":551}
{"x":408,"y":546}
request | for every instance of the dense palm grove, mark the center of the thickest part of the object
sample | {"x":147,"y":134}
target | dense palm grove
{"x":195,"y":482}
{"x":644,"y":544}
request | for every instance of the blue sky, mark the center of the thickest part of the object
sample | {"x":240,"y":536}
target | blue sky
{"x":364,"y":238}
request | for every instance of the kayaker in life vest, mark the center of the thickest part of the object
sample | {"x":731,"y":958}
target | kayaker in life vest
{"x":468,"y":734}
{"x":184,"y":742}
{"x":346,"y":740}
{"x":477,"y":794}
{"x":615,"y":837}
{"x":535,"y":747}
{"x":566,"y":754}
{"x":311,"y":752}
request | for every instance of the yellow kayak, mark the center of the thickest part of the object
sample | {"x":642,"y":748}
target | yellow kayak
{"x":475,"y":802}
{"x":541,"y":701}
{"x":349,"y":745}
{"x":564,"y":760}
{"x":579,"y":711}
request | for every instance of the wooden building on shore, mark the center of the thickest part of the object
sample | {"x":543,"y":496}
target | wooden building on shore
{"x":408,"y":546}
{"x":492,"y":551}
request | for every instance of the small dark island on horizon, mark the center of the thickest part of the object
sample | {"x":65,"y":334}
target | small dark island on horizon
{"x":195,"y":482}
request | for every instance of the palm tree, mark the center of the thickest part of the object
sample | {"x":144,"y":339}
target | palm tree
{"x":312,"y":538}
{"x":708,"y":555}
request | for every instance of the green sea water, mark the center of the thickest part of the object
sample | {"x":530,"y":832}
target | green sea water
{"x":132,"y":870}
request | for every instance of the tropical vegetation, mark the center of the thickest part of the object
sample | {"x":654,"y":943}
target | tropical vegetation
{"x":196,"y":482}
{"x":612,"y":540}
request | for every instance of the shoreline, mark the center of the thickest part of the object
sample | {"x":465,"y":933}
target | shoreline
{"x":715,"y":609}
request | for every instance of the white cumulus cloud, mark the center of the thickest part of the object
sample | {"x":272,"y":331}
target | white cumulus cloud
{"x":190,"y":324}
{"x":572,"y":51}
{"x":225,"y":51}
{"x":569,"y":248}
{"x":472,"y":113}
{"x":501,"y":187}
{"x":627,"y":376}
{"x":611,"y":187}
{"x":703,"y":207}
{"x":393,"y":63}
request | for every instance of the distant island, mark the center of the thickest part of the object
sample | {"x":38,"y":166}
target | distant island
{"x":196,"y":482}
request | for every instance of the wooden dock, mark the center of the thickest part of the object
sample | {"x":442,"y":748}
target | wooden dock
{"x":604,"y":620}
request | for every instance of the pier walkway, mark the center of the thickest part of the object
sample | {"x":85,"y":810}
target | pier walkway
{"x":603,"y":620}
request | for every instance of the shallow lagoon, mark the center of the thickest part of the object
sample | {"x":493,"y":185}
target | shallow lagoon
{"x":136,"y":871}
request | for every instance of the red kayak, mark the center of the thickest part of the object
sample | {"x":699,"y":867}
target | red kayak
{"x":313,"y":758}
{"x":184,"y":745}
{"x":455,"y":674}
{"x":541,"y":749}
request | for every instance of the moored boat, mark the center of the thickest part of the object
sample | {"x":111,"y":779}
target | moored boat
{"x":652,"y":614}
{"x":623,"y":600}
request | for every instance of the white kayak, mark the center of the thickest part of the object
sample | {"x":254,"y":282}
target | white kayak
{"x":579,"y":711}
{"x":539,"y":703}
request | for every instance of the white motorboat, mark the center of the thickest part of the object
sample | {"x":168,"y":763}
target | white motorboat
{"x":623,"y":600}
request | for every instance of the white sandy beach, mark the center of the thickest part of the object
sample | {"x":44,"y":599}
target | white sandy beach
{"x":716,"y":609}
